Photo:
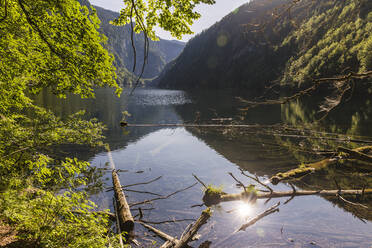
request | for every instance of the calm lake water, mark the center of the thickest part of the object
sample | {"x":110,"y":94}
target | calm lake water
{"x":210,"y":153}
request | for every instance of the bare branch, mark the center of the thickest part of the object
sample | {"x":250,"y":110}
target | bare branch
{"x":351,"y":203}
{"x":200,"y":181}
{"x":135,"y":184}
{"x":161,"y":234}
{"x":257,"y":180}
{"x":239,"y":182}
{"x":162,"y":197}
{"x":132,"y":40}
{"x":293,"y":195}
{"x":344,"y":79}
{"x":271,"y":210}
{"x":142,"y":192}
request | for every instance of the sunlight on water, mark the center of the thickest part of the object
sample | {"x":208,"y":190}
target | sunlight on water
{"x":245,"y":209}
{"x":177,"y":153}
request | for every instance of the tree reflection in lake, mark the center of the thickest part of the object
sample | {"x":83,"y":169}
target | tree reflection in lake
{"x":176,"y":153}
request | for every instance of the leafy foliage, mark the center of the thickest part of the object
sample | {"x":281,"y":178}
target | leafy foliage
{"x":171,"y":15}
{"x":52,"y":44}
{"x":47,"y":219}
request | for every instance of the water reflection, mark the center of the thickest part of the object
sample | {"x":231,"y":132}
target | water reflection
{"x":176,"y":153}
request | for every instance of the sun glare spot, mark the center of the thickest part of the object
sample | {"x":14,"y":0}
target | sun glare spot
{"x":245,"y":209}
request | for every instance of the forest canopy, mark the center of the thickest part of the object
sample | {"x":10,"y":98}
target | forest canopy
{"x":55,"y":45}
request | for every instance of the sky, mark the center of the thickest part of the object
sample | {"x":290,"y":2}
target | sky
{"x":210,"y":14}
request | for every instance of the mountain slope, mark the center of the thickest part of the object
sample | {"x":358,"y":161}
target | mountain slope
{"x":267,"y":40}
{"x":120,"y":45}
{"x":160,"y":52}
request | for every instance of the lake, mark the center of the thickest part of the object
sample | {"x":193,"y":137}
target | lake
{"x":176,"y":153}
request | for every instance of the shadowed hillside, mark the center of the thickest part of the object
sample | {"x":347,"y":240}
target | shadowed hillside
{"x":264,"y":41}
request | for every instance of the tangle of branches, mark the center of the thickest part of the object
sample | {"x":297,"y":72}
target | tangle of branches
{"x":342,"y":84}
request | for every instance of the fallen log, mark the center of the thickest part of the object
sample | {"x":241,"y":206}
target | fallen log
{"x":189,"y":235}
{"x":301,"y":171}
{"x":126,"y":221}
{"x":170,"y":241}
{"x":355,"y":154}
{"x":244,"y":196}
{"x":312,"y":167}
{"x":191,"y":232}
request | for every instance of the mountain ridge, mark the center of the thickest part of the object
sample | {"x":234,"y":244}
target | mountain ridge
{"x":266,"y":41}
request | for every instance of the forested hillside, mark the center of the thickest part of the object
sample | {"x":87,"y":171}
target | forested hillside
{"x":265,"y":41}
{"x":119,"y":43}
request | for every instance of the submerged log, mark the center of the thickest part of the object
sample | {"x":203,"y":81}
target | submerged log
{"x":126,"y":221}
{"x":356,"y":154}
{"x":301,"y":171}
{"x":306,"y":169}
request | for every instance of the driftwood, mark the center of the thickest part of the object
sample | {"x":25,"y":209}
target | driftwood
{"x":271,"y":210}
{"x":268,"y":195}
{"x":169,"y":239}
{"x":126,"y":221}
{"x":356,"y":154}
{"x":302,"y":171}
{"x":189,"y":234}
{"x":306,"y":169}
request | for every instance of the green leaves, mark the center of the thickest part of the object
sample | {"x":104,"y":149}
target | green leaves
{"x":175,"y":16}
{"x":54,"y":44}
{"x":50,"y":220}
